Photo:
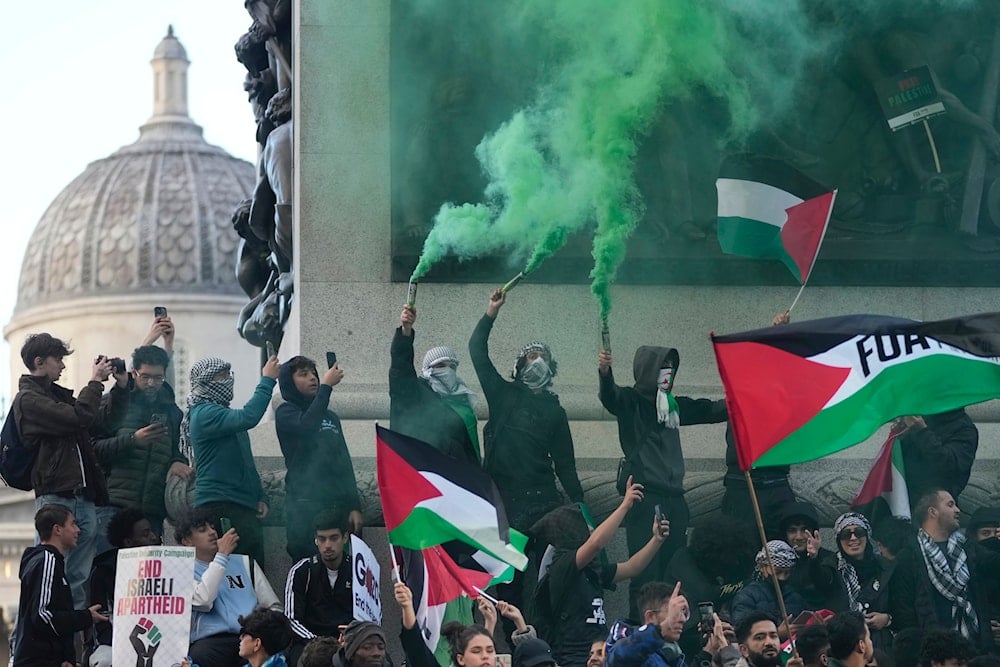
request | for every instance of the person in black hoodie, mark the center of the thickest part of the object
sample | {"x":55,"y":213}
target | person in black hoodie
{"x":527,"y":434}
{"x":46,"y":619}
{"x":648,"y":419}
{"x":320,"y":473}
{"x":435,"y":406}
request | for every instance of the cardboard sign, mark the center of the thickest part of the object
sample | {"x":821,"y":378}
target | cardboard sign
{"x":909,"y":98}
{"x":152,"y":614}
{"x":365,"y":573}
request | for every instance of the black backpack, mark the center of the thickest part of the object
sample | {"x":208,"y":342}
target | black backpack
{"x":16,"y":458}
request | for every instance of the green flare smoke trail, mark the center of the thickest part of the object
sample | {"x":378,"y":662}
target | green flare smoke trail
{"x":566,"y":161}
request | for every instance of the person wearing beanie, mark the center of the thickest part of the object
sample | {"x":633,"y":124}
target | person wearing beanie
{"x":649,"y":419}
{"x":799,"y":527}
{"x":856,"y":579}
{"x":435,"y":406}
{"x":759,"y":595}
{"x":527,"y":435}
{"x":532,"y":652}
{"x":364,"y":646}
{"x":984,"y":527}
{"x":320,"y":475}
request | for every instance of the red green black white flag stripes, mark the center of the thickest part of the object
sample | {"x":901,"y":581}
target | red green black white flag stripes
{"x":769,"y":210}
{"x":429,"y":498}
{"x":887,"y":478}
{"x":802,"y":391}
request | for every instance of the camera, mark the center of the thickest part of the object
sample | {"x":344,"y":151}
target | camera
{"x":117,"y":363}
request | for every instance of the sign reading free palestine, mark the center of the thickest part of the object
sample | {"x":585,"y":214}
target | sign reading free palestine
{"x":152,"y":614}
{"x":909,"y":98}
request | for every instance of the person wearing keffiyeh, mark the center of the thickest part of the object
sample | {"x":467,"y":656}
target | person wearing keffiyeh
{"x":855,"y":579}
{"x":215,"y":438}
{"x":759,"y":595}
{"x":436,"y":405}
{"x":940,"y":582}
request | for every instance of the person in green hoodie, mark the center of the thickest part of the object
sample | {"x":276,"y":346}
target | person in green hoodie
{"x":320,"y":473}
{"x":649,"y":417}
{"x":226,"y":480}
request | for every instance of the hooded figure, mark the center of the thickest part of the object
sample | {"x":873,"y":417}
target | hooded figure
{"x":435,"y":406}
{"x":320,"y":473}
{"x":648,"y":418}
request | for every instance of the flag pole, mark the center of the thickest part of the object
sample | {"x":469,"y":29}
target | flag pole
{"x":770,"y":565}
{"x":396,"y":579}
{"x":822,"y":236}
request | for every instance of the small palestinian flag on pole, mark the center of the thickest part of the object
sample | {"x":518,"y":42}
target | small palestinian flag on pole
{"x":803,"y":391}
{"x":769,"y":210}
{"x":440,"y":575}
{"x":887,"y":478}
{"x":429,"y":498}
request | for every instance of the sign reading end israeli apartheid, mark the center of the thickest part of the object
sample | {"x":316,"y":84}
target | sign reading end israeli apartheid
{"x":152,"y":614}
{"x":909,"y":98}
{"x":365,"y":582}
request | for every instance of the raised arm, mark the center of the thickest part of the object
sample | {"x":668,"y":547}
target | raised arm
{"x":603,"y":534}
{"x":489,"y":377}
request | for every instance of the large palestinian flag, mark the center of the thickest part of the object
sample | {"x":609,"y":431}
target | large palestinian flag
{"x":769,"y":210}
{"x":429,"y":498}
{"x":802,"y":391}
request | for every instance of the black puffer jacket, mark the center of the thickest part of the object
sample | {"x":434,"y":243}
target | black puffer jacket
{"x":642,"y":437}
{"x":416,"y":410}
{"x":941,"y":455}
{"x":312,"y":442}
{"x":528,"y":432}
{"x":137,"y":474}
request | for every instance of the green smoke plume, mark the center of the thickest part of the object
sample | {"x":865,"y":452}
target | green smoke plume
{"x":566,"y":160}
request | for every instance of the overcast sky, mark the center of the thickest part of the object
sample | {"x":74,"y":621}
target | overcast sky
{"x":79,"y":85}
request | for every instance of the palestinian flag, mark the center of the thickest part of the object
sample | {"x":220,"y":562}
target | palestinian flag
{"x":805,"y":390}
{"x":887,"y":478}
{"x":441,"y":575}
{"x":769,"y":210}
{"x":429,"y":498}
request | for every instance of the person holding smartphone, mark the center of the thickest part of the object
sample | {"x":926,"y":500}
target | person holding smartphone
{"x":320,"y":473}
{"x":145,"y":450}
{"x":227,"y":483}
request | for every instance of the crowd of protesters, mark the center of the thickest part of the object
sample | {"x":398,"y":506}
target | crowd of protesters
{"x":884,"y":591}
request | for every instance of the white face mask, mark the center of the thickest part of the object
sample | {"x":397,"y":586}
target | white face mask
{"x":537,"y":374}
{"x":665,"y":379}
{"x":447,"y":376}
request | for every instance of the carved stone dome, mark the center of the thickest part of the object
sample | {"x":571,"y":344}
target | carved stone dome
{"x":153,"y":216}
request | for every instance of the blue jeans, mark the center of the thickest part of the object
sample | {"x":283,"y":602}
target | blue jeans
{"x":80,"y":559}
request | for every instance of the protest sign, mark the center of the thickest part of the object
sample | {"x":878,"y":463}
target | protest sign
{"x":365,"y":582}
{"x":152,"y":614}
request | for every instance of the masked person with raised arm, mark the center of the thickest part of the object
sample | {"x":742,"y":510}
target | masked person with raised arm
{"x":436,"y":405}
{"x":649,"y":420}
{"x":527,"y":435}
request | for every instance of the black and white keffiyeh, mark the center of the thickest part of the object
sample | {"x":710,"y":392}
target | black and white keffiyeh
{"x":949,"y":573}
{"x":783,"y":556}
{"x":848,"y":574}
{"x":204,"y":390}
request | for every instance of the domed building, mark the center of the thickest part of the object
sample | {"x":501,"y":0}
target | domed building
{"x":149,"y":225}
